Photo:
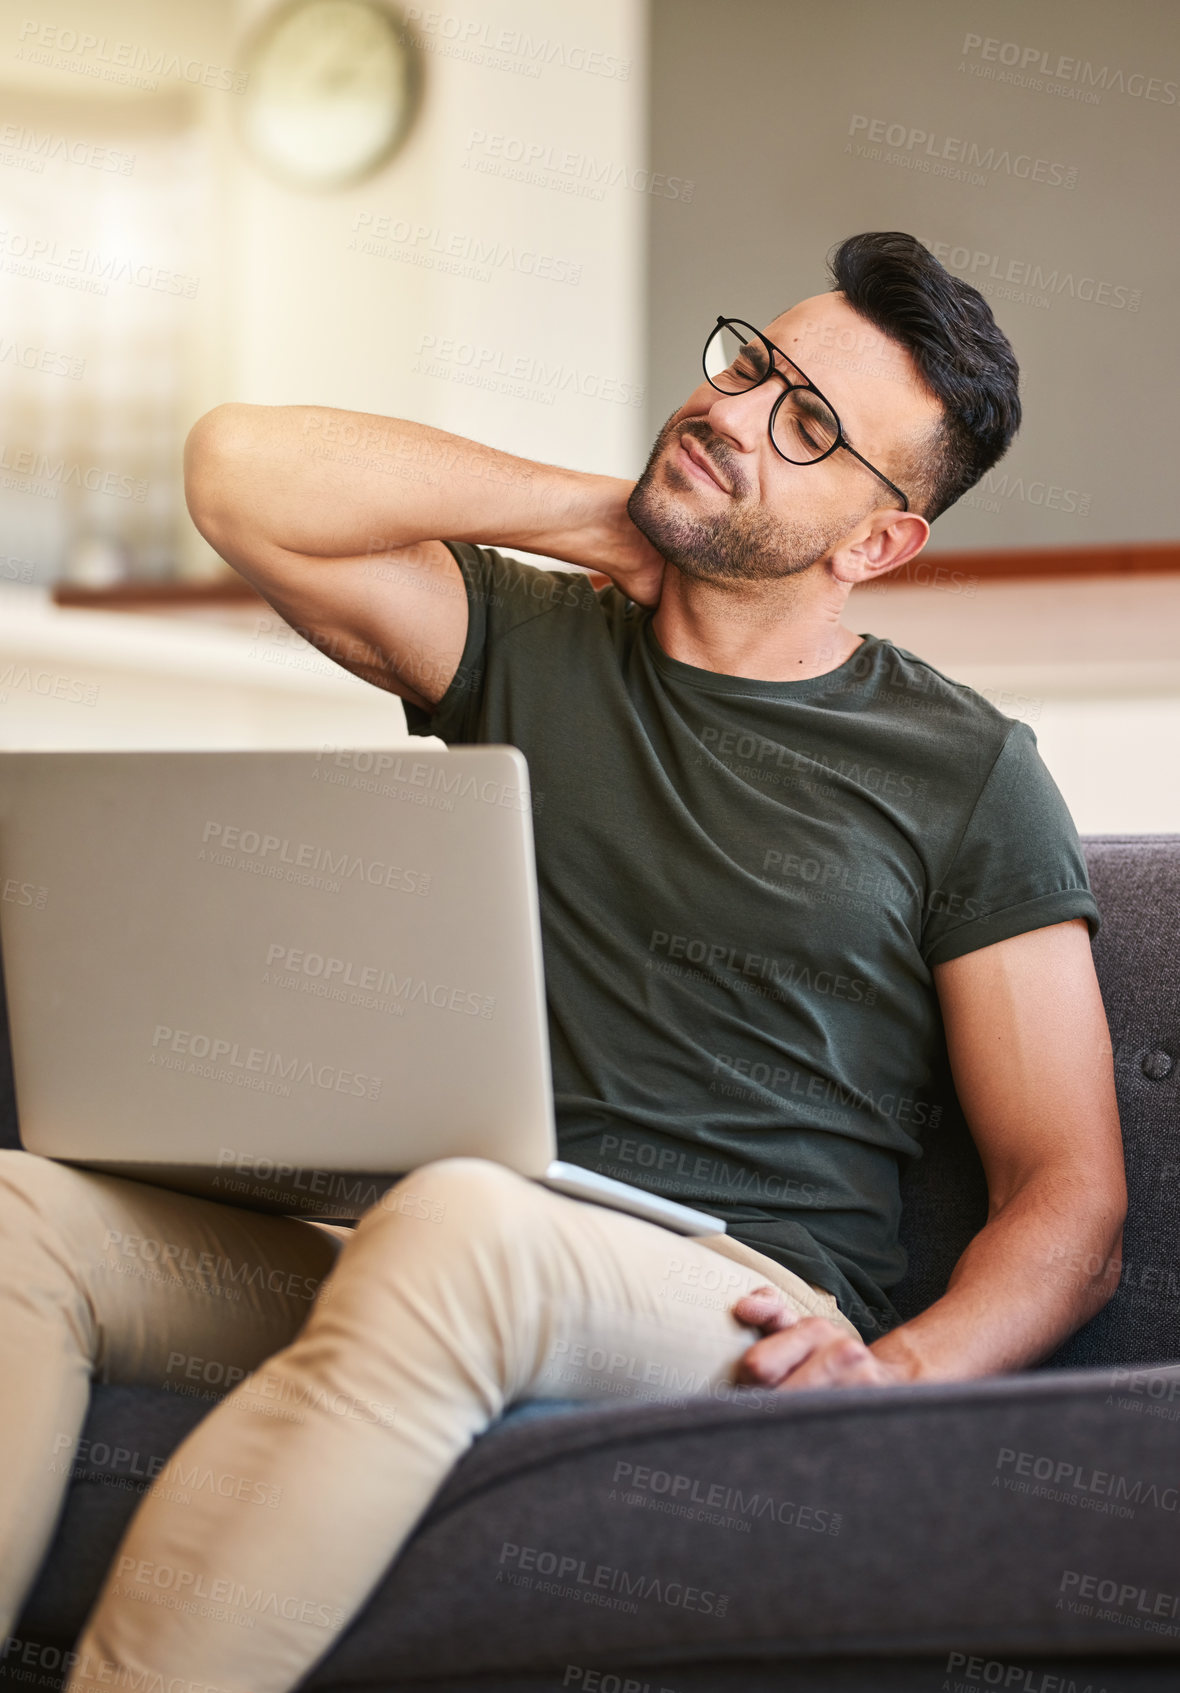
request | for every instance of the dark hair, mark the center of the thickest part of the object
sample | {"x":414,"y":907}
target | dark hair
{"x":960,"y":352}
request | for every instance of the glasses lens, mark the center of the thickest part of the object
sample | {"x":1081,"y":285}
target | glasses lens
{"x":734,"y":359}
{"x":805,"y":427}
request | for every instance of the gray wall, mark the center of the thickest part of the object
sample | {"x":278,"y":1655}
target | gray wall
{"x":798,"y":124}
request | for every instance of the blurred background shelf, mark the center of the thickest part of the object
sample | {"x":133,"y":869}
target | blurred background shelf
{"x":952,"y":572}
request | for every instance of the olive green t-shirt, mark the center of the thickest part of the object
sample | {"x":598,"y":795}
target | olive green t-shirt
{"x":743,"y":888}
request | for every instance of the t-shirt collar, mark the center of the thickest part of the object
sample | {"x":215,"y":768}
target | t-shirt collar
{"x":855,"y":667}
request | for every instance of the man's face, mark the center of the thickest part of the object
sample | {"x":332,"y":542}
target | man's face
{"x":717,"y":501}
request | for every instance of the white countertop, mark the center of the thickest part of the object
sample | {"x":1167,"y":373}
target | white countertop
{"x":71,"y":677}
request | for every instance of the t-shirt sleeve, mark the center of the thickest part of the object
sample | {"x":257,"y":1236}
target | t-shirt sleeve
{"x":1018,"y":864}
{"x":502,"y":593}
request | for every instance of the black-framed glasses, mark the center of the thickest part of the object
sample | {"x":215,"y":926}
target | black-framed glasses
{"x":804,"y":428}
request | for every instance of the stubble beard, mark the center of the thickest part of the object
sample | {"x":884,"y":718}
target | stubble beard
{"x":742,"y":542}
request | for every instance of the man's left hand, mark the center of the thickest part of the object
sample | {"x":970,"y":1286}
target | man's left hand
{"x":800,"y":1351}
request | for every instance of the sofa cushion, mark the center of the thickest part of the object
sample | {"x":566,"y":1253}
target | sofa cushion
{"x":130,"y":1433}
{"x":1012,"y":1516}
{"x":923,"y":1519}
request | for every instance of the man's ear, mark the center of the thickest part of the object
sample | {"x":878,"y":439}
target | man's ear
{"x":888,"y":540}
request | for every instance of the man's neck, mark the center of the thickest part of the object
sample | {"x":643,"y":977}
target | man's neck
{"x":769,"y":632}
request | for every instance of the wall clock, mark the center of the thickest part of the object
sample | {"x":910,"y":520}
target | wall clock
{"x":331,"y":90}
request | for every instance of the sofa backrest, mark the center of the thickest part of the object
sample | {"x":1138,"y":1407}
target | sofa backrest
{"x":1136,"y":880}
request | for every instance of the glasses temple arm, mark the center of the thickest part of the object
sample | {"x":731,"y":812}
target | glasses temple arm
{"x":905,"y":504}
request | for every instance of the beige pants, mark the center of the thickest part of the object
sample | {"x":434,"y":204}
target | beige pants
{"x":466,"y":1288}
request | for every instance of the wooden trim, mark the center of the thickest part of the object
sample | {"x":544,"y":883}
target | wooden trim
{"x":230,"y":589}
{"x":1129,"y":558}
{"x":1133,"y":558}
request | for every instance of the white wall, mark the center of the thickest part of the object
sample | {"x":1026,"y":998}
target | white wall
{"x":291,"y":307}
{"x":316,"y":318}
{"x":850,"y":116}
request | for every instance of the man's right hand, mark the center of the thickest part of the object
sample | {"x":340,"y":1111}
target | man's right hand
{"x":614,"y":546}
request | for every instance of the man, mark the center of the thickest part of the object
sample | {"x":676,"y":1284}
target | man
{"x":793,"y":880}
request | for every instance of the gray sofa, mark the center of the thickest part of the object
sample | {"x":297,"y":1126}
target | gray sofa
{"x":1016,"y":1532}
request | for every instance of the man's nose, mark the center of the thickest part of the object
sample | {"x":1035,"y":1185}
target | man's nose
{"x":740,"y":420}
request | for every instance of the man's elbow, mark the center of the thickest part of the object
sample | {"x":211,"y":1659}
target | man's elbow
{"x":1106,"y":1281}
{"x":215,"y":454}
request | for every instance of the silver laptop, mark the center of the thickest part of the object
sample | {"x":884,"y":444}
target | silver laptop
{"x":282,"y":979}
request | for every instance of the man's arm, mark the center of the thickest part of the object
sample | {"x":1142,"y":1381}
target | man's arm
{"x":337,"y":519}
{"x":1031,"y":1056}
